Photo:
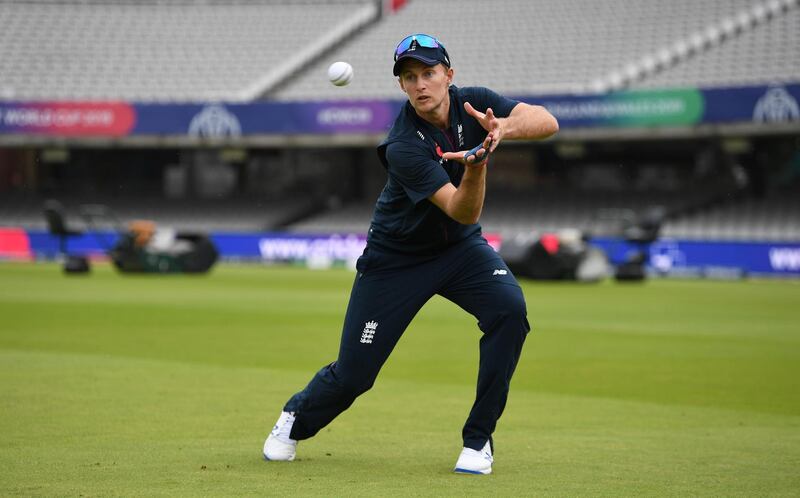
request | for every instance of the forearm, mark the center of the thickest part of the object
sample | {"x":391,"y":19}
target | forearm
{"x":466,"y":203}
{"x":528,"y":122}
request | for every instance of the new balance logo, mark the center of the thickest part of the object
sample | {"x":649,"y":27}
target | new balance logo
{"x":500,"y":272}
{"x":369,"y":332}
{"x":420,"y":135}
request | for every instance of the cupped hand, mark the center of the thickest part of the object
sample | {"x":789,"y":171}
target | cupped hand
{"x":478,"y":158}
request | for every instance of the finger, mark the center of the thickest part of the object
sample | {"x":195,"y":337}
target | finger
{"x":494,"y":141}
{"x":481,"y":154}
{"x":490,"y":143}
{"x":489,"y":113}
{"x":481,"y":161}
{"x":453,"y":156}
{"x":472,"y":111}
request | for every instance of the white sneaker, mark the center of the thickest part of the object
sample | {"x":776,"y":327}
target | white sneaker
{"x":475,"y":462}
{"x":279,"y":446}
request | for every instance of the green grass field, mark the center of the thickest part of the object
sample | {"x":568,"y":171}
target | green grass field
{"x":115,"y":385}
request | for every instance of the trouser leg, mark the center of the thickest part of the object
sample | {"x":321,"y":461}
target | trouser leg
{"x":382,"y":303}
{"x":484,"y":287}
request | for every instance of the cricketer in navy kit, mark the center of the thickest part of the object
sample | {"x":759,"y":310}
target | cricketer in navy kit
{"x":424,"y":240}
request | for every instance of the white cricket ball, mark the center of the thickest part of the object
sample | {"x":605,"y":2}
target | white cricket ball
{"x":340,"y":73}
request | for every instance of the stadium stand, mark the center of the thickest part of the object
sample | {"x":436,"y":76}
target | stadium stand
{"x":353,"y":217}
{"x":541,"y":47}
{"x":230,"y":215}
{"x":510,"y":213}
{"x":240,"y":50}
{"x":775,"y":218}
{"x":601,"y":214}
{"x":163,"y":50}
{"x":752,"y":46}
{"x":767,"y":53}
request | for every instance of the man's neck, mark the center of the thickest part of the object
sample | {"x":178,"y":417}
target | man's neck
{"x":439,"y":117}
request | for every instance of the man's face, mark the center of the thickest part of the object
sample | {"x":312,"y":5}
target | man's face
{"x":426,"y":86}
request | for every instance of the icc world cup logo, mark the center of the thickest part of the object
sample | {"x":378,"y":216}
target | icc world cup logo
{"x":215,"y":121}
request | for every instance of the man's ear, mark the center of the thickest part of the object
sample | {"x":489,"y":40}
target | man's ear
{"x":400,"y":82}
{"x":450,"y":74}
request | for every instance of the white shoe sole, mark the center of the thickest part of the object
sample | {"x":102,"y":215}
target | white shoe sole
{"x":475,"y":462}
{"x":458,"y":470}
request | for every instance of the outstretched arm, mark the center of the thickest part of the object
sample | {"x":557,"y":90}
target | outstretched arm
{"x":526,"y":122}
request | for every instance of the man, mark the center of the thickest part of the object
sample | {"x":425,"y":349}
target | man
{"x":424,"y":239}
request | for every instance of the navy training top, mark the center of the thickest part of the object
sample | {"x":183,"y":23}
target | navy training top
{"x":404,"y":219}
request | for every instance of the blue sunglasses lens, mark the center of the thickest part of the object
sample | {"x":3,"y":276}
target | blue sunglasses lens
{"x":422,"y":41}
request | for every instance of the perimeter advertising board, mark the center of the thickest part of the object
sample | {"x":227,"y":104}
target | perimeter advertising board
{"x":666,"y":256}
{"x":633,"y":109}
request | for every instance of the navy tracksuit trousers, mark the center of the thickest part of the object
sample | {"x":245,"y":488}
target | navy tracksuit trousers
{"x":388,"y":292}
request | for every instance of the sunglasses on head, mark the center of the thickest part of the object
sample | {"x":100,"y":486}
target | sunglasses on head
{"x":422,"y":41}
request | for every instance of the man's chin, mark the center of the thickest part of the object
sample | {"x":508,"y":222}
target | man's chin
{"x":424,"y":106}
